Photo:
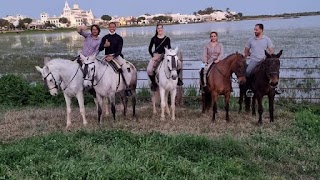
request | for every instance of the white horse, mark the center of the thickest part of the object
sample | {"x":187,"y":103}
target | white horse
{"x":67,"y":75}
{"x":102,"y":77}
{"x":168,"y":79}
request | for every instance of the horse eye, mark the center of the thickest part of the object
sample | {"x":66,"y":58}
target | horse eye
{"x":91,"y":68}
{"x":50,"y":80}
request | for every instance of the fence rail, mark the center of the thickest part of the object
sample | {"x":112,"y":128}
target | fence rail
{"x":304,"y":85}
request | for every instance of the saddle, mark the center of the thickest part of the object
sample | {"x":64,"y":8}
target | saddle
{"x":115,"y":66}
{"x":157,"y":63}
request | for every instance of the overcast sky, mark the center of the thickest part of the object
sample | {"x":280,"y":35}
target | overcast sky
{"x":33,"y":8}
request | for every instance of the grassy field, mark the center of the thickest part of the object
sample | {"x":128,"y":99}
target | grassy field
{"x":35,"y":145}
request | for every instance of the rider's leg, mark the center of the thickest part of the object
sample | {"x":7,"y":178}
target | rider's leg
{"x":249,"y":70}
{"x":120,"y":65}
{"x":151,"y":73}
{"x":179,"y":67}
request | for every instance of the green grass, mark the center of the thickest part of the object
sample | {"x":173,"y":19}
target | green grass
{"x":289,"y":153}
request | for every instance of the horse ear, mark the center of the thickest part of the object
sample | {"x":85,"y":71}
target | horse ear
{"x":279,"y":54}
{"x":39,"y":69}
{"x":166,"y":50}
{"x":82,"y":57}
{"x":176,"y":50}
{"x":46,"y":60}
{"x":267,"y":54}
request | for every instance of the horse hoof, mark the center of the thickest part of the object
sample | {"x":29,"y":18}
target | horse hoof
{"x":173,"y":119}
{"x":162,"y":118}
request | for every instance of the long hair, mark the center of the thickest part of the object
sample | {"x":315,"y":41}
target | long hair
{"x":156,"y":34}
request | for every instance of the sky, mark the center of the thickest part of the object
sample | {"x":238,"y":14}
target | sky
{"x":33,"y":8}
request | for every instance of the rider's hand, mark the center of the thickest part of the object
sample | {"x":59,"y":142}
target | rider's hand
{"x":109,"y":58}
{"x":216,"y":61}
{"x":82,"y":28}
{"x":107,"y":43}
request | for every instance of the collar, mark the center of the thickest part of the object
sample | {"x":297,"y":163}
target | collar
{"x":112,"y":33}
{"x":263,"y":36}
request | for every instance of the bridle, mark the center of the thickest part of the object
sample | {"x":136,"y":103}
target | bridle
{"x":173,"y":65}
{"x":85,"y":72}
{"x":56,"y":86}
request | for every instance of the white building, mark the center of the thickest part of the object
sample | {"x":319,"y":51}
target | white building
{"x":76,"y":17}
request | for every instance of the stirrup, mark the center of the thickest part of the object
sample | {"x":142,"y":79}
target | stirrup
{"x":128,"y":92}
{"x":249,"y":93}
{"x":278,"y":91}
{"x":180,"y":83}
{"x":154,"y":87}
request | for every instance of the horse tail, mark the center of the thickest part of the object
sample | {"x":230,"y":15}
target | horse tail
{"x":206,"y":100}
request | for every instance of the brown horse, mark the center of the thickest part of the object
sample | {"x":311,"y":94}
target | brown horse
{"x":265,"y":79}
{"x":219,"y":82}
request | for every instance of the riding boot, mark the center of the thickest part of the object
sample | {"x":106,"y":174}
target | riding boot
{"x":278,"y":90}
{"x":154,"y":84}
{"x":249,"y":92}
{"x":180,"y":83}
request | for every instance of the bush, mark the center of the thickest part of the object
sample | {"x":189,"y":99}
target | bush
{"x":14,"y":90}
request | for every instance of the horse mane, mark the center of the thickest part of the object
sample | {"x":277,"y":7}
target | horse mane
{"x":236,"y":53}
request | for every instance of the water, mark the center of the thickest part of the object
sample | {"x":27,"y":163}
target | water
{"x":298,"y":37}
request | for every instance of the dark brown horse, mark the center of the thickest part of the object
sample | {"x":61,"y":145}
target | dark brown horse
{"x":265,"y":78}
{"x":219,"y":82}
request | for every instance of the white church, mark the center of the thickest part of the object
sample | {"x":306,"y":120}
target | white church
{"x":75,"y":16}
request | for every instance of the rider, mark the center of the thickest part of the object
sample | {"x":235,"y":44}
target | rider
{"x":91,"y":44}
{"x":212,"y":53}
{"x":112,"y":44}
{"x":92,"y":40}
{"x":160,"y":41}
{"x":255,"y":48}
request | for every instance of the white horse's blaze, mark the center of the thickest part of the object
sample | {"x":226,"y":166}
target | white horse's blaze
{"x":65,"y":73}
{"x":168,"y":79}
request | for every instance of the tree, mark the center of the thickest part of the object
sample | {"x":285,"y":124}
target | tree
{"x":21,"y":25}
{"x":106,"y":17}
{"x":27,"y":20}
{"x":141,"y":19}
{"x":133,"y":20}
{"x":228,"y":9}
{"x":240,"y":15}
{"x":48,"y":24}
{"x":63,"y":20}
{"x":4,"y":23}
{"x":147,"y":14}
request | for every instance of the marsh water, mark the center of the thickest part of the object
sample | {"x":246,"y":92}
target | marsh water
{"x":298,"y":37}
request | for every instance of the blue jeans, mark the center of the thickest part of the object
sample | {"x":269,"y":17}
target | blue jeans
{"x":251,"y":66}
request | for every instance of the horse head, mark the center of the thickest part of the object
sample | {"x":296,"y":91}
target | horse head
{"x":239,"y":68}
{"x":50,"y":79}
{"x":171,"y":61}
{"x":272,"y":63}
{"x":89,"y":69}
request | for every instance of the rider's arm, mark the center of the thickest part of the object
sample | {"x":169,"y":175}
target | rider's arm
{"x":103,"y":41}
{"x":246,"y":52}
{"x":119,"y":47}
{"x":150,"y":47}
{"x":81,"y":31}
{"x":221,"y":55}
{"x":205,"y":54}
{"x":270,"y":46}
{"x":169,"y":42}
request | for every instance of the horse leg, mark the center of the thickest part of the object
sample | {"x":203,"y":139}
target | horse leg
{"x":214,"y":97}
{"x":68,"y":104}
{"x":226,"y":107}
{"x":100,"y":105}
{"x":106,"y":106}
{"x":113,"y":105}
{"x":254,"y":103}
{"x":167,"y":104}
{"x":173,"y":104}
{"x":124,"y":100}
{"x":260,"y":109}
{"x":271,"y":105}
{"x":154,"y":101}
{"x":163,"y":102}
{"x":134,"y":102}
{"x":81,"y":107}
{"x":241,"y":87}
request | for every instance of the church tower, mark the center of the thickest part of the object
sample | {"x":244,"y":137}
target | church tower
{"x":66,"y":10}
